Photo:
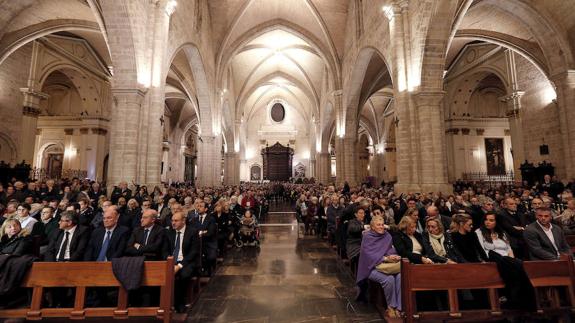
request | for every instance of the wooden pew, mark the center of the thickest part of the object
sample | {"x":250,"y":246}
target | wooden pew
{"x":571,"y":241}
{"x":441,"y":277}
{"x":82,"y":275}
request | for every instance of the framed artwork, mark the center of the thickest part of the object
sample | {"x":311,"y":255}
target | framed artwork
{"x":255,"y":173}
{"x":495,"y":156}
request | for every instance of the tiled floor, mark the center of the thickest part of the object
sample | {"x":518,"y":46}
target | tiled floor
{"x":286,"y":279}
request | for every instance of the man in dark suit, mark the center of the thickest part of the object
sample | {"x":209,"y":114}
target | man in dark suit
{"x":184,"y":246}
{"x":545,"y":241}
{"x":70,"y":242}
{"x":207,"y":230}
{"x":433,"y":212}
{"x":109,"y":241}
{"x":86,"y":213}
{"x":149,"y":239}
{"x":514,"y":223}
{"x":121,"y":190}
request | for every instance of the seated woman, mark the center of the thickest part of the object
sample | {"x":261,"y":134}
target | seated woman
{"x":409,"y":243}
{"x":466,"y":243}
{"x":248,"y":228}
{"x":438,"y":243}
{"x":14,"y":240}
{"x":355,"y":228}
{"x":495,"y":243}
{"x":377,"y":248}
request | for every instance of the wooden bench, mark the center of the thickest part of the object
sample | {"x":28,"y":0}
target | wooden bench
{"x":441,"y":277}
{"x":82,"y":275}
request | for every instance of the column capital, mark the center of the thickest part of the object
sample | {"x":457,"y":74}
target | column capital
{"x":31,"y":92}
{"x":30,"y":111}
{"x":129,"y":92}
{"x":429,"y":98}
{"x":513,"y":101}
{"x":515,"y":95}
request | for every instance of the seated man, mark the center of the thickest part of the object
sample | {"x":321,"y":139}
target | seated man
{"x":70,"y":242}
{"x":545,"y":241}
{"x":184,"y":245}
{"x":109,"y":241}
{"x":148,"y":239}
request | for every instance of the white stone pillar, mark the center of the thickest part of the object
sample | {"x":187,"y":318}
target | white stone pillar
{"x":124,"y":131}
{"x":513,"y":102}
{"x":209,"y":161}
{"x":232,"y":169}
{"x":565,"y":87}
{"x":30,"y":113}
{"x":433,"y":152}
{"x":151,"y":143}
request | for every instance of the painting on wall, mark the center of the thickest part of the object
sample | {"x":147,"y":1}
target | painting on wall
{"x":494,"y":154}
{"x":255,"y":173}
{"x":299,"y":171}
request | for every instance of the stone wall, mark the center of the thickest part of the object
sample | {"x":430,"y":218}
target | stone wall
{"x":13,"y":76}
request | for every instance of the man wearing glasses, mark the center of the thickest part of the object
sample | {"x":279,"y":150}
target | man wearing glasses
{"x":70,"y":242}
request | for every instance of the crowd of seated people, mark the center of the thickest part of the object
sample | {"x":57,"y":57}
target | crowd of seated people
{"x":478,"y":223}
{"x":62,"y":221}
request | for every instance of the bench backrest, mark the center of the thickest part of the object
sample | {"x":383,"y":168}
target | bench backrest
{"x":81,"y":275}
{"x":455,"y":277}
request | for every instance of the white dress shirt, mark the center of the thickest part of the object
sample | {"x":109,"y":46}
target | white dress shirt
{"x":70,"y":236}
{"x":181,"y":252}
{"x":549,"y":233}
{"x":111,"y":233}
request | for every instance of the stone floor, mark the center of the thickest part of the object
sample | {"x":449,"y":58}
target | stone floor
{"x":286,"y":279}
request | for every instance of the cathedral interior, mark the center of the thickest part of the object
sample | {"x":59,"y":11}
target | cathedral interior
{"x":421,"y":93}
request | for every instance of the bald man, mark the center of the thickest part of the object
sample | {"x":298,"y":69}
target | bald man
{"x":109,"y":240}
{"x":149,"y":239}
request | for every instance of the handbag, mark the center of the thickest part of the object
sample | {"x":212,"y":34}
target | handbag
{"x":389,"y":268}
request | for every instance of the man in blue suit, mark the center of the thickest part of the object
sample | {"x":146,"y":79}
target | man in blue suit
{"x":109,"y":241}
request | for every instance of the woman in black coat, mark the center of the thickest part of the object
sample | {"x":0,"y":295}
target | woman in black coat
{"x":409,"y":243}
{"x":438,"y":244}
{"x":14,"y":240}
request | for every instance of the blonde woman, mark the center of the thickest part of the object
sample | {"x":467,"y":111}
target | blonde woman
{"x":14,"y":240}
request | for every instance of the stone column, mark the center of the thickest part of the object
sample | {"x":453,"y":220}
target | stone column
{"x":124,"y":135}
{"x":101,"y":151}
{"x":390,"y":157}
{"x":30,"y":113}
{"x":151,"y":143}
{"x":513,"y":102}
{"x":339,"y":161}
{"x":431,"y":134}
{"x":350,"y":160}
{"x":209,"y":161}
{"x":565,"y":87}
{"x":323,"y":166}
{"x":232,"y":169}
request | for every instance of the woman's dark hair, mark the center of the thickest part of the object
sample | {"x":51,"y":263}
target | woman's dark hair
{"x":498,"y":229}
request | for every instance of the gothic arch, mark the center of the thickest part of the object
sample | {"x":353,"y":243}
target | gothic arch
{"x":357,"y":91}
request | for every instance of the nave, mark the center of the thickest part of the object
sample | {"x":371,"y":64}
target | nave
{"x":285,"y":279}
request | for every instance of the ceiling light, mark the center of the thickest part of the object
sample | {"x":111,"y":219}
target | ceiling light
{"x":388,"y":11}
{"x":171,"y":7}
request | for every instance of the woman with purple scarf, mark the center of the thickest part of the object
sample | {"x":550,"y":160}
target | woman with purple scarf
{"x":376,"y":248}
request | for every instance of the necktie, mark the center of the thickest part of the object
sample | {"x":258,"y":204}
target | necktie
{"x":146,"y":233}
{"x":203,"y":217}
{"x":62,"y":253}
{"x":177,"y":246}
{"x":104,"y":249}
